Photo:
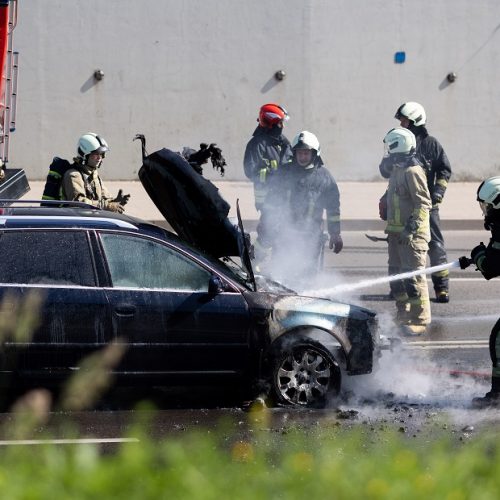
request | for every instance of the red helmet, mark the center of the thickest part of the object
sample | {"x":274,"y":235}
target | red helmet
{"x":271,"y":114}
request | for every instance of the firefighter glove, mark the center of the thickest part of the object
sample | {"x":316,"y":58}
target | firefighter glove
{"x":438,"y":194}
{"x":336,"y":243}
{"x":121,"y":198}
{"x":478,"y":252}
{"x":114,"y":206}
{"x":405,"y":237}
{"x":464,"y":262}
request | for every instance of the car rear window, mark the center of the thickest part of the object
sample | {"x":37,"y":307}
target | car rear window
{"x":46,"y":257}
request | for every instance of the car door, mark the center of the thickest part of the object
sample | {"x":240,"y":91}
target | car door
{"x":57,"y":266}
{"x":161,"y":307}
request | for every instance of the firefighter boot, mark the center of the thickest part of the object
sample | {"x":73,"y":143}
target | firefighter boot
{"x":491,"y":399}
{"x":442,"y":296}
{"x":402,"y":312}
{"x":412,"y":330}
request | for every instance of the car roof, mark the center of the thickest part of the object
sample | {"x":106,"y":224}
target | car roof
{"x":22,"y":214}
{"x":76,"y":215}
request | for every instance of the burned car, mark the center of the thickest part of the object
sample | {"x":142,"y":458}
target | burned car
{"x":186,"y":316}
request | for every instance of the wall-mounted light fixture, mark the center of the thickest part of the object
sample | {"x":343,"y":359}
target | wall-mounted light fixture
{"x":280,"y":75}
{"x":98,"y":74}
{"x":451,"y":77}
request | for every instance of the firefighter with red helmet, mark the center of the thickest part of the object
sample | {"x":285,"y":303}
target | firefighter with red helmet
{"x":266,"y":152}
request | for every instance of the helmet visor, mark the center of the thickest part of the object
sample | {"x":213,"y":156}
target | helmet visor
{"x":101,"y":150}
{"x":287,"y":116}
{"x":399,"y":113}
{"x":484,"y":207}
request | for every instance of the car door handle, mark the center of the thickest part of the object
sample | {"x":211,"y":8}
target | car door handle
{"x":125,"y":311}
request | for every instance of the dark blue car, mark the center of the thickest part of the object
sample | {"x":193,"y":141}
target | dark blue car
{"x":185,"y":317}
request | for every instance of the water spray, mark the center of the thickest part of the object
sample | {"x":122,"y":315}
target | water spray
{"x":462,"y":263}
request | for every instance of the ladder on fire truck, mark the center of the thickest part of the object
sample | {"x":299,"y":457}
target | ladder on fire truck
{"x":13,"y":182}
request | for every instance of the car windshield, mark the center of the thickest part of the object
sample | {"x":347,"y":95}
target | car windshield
{"x":234,"y":269}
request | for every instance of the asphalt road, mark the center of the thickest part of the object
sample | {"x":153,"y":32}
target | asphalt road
{"x":418,"y":386}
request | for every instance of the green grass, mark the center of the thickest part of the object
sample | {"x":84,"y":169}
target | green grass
{"x":338,"y":464}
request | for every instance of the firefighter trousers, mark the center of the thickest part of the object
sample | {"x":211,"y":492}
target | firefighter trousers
{"x":437,"y":252}
{"x":411,"y":294}
{"x":495,"y":356}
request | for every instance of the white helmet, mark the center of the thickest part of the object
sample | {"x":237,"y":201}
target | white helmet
{"x":488,"y":194}
{"x":91,"y":143}
{"x":414,"y":111}
{"x":400,"y":140}
{"x":306,"y":140}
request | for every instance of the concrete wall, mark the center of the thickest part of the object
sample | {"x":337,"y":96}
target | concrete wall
{"x":185,"y":71}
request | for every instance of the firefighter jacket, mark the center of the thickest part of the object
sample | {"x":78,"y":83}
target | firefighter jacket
{"x":266,"y":151}
{"x":85,"y":185}
{"x":432,"y":156}
{"x":487,"y":258}
{"x":302,"y":195}
{"x":409,"y":202}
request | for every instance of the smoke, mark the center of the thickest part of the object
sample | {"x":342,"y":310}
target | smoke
{"x":411,"y":377}
{"x":297,"y":259}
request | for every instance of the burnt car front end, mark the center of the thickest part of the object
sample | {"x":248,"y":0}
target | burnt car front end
{"x":307,"y":344}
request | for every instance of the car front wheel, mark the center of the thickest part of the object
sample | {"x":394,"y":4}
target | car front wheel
{"x":305,"y":375}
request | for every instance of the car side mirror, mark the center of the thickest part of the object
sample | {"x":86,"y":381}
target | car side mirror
{"x":215,"y":285}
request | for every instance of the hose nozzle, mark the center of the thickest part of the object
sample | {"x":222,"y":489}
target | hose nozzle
{"x":464,"y":262}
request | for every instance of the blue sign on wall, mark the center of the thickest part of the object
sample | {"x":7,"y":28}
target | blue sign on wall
{"x":399,"y":57}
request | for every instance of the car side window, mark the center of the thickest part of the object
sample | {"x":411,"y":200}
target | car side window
{"x":46,"y":257}
{"x":141,"y":263}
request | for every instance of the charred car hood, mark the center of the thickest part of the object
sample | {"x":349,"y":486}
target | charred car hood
{"x":285,"y":305}
{"x":288,"y":311}
{"x":193,"y":206}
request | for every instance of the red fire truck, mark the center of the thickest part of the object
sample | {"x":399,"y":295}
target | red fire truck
{"x":13,"y":181}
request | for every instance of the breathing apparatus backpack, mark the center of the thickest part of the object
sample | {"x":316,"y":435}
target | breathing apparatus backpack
{"x":53,"y":184}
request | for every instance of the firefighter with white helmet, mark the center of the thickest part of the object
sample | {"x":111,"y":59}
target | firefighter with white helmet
{"x":298,"y":196}
{"x":487,"y":260}
{"x":432,"y":156}
{"x":82,"y":181}
{"x":267,"y":151}
{"x":408,"y":206}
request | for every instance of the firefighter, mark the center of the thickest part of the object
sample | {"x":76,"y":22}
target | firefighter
{"x":487,"y":260}
{"x":431,"y":155}
{"x":266,"y":152}
{"x":300,"y":194}
{"x":408,"y":206}
{"x":82,"y":181}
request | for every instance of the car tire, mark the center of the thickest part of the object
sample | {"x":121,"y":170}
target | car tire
{"x":305,"y":375}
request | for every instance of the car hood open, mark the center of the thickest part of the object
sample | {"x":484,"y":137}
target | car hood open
{"x":193,"y":206}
